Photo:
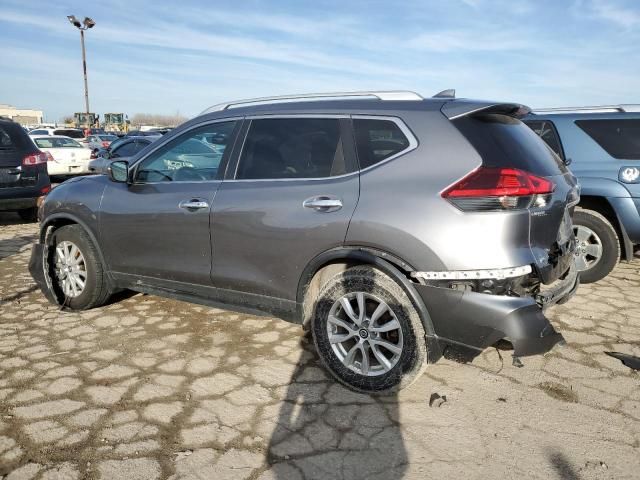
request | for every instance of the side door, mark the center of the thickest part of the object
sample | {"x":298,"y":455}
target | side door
{"x":158,"y":227}
{"x":289,"y":197}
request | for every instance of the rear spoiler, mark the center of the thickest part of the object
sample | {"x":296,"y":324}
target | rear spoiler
{"x":462,"y":108}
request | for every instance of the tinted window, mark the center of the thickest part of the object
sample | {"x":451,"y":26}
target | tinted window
{"x":53,"y":142}
{"x":546,"y":130}
{"x":292,"y":148}
{"x":128,"y":149}
{"x":39,"y":132}
{"x":619,"y":138}
{"x":69,"y":133}
{"x":187,"y":158}
{"x":377,"y":140}
{"x":504,"y":141}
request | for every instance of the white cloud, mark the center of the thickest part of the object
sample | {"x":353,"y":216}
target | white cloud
{"x":615,"y":13}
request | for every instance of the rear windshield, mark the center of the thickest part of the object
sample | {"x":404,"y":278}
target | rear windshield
{"x":107,"y":138}
{"x":70,"y":133}
{"x":619,"y":138}
{"x":13,"y":137}
{"x":56,"y":142}
{"x":504,"y":141}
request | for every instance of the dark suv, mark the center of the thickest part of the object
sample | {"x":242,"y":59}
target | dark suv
{"x":391,"y":226}
{"x":23,"y":171}
{"x":602,"y":147}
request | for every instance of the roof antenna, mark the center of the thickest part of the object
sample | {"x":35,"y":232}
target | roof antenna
{"x":448,"y":93}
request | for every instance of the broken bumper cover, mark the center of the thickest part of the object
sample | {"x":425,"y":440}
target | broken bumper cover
{"x":40,"y":274}
{"x":479,"y":320}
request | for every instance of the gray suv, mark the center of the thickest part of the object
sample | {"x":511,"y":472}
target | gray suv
{"x":602,"y":147}
{"x":393,"y":227}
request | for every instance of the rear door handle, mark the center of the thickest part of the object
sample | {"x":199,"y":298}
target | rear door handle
{"x":193,"y":204}
{"x":323,"y":203}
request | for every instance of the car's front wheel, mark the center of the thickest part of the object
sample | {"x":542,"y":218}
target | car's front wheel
{"x":77,"y":270}
{"x":367,"y":332}
{"x":598,"y":247}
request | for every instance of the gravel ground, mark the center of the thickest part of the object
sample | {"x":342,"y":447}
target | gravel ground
{"x":154,"y":388}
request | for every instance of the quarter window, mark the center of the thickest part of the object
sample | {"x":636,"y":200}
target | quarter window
{"x":377,"y":140}
{"x":619,"y":138}
{"x":193,"y":156}
{"x":283,"y":148}
{"x":547,"y":131}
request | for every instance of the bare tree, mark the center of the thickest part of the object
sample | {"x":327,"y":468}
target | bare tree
{"x":158,"y":120}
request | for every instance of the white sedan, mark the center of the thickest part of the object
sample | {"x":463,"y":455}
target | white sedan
{"x":67,"y":157}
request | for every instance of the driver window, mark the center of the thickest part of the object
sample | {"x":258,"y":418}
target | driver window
{"x":192,"y":157}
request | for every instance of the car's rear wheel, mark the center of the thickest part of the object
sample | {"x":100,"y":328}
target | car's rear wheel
{"x":368,"y":333}
{"x":77,"y":271}
{"x":598,"y":247}
{"x":29,"y":214}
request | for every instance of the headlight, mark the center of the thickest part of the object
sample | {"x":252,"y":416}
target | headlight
{"x":629,"y":175}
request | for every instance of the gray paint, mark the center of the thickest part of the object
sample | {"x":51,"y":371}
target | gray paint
{"x":253,"y":247}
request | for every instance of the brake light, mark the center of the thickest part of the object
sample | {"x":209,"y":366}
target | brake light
{"x":45,"y":190}
{"x":35,"y":159}
{"x":50,"y":157}
{"x":499,"y":189}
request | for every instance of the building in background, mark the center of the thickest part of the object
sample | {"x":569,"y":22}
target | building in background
{"x":24,"y":116}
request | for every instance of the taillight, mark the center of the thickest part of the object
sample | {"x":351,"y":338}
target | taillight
{"x":45,"y":190}
{"x":499,"y":189}
{"x":50,"y":157}
{"x":35,"y":159}
{"x":105,"y":144}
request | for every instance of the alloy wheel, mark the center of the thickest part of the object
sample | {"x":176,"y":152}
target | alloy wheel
{"x":365,"y":334}
{"x":588,"y":249}
{"x":70,"y":268}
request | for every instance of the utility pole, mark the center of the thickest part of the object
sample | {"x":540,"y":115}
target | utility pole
{"x":86,"y":24}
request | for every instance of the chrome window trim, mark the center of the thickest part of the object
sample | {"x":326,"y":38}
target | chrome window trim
{"x":161,"y":143}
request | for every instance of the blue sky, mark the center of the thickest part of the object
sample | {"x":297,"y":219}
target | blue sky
{"x":165,"y":57}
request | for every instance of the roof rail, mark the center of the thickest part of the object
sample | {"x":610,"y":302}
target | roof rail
{"x":382,"y":95}
{"x":596,"y":108}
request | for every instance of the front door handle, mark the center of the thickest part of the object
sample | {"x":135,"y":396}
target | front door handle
{"x":323,"y":203}
{"x":193,"y":204}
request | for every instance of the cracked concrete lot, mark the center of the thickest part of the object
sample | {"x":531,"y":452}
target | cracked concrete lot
{"x":153,"y":388}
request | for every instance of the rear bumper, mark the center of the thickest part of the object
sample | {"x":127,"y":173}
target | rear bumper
{"x":479,"y":320}
{"x":18,"y":203}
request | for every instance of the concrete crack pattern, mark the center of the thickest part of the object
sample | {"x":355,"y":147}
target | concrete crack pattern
{"x":148,"y":388}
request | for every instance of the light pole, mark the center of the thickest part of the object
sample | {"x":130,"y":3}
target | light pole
{"x":86,"y":24}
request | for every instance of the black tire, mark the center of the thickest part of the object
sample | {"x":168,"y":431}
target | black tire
{"x":413,"y":358}
{"x":608,"y":237}
{"x":29,"y":214}
{"x":97,"y":289}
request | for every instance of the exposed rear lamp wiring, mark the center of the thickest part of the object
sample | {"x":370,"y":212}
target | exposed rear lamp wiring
{"x":493,"y":274}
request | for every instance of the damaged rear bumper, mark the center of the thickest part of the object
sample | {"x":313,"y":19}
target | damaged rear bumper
{"x":479,"y":320}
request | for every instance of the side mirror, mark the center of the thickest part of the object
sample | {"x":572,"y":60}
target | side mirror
{"x":119,"y":171}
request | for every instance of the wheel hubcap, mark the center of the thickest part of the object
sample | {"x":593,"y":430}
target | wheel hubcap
{"x":70,"y":268}
{"x":365,"y":334}
{"x":588,"y":248}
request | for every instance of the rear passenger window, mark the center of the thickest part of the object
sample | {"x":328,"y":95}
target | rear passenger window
{"x":377,"y":140}
{"x":292,"y":148}
{"x":547,"y":131}
{"x":619,"y":138}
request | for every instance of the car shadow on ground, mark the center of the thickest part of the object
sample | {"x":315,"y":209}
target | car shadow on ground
{"x":337,"y":434}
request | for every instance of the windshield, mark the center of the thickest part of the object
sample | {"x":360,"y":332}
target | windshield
{"x":53,"y":142}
